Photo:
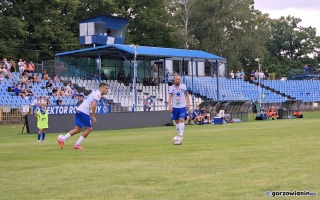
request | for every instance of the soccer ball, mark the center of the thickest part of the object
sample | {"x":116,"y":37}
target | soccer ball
{"x":177,"y":140}
{"x":60,"y":136}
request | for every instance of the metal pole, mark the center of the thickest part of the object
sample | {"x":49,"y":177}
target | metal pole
{"x":135,"y":76}
{"x":165,"y":85}
{"x":218,"y":86}
{"x":192,"y":84}
{"x":259,"y":84}
{"x":99,"y":67}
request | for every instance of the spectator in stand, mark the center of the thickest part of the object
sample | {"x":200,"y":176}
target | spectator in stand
{"x":25,"y":67}
{"x":266,"y":75}
{"x":145,"y":82}
{"x":21,"y":66}
{"x":7,"y":74}
{"x":28,"y":92}
{"x":252,"y":76}
{"x":75,"y":95}
{"x":49,"y":84}
{"x":12,"y":67}
{"x":154,"y":80}
{"x":31,"y":78}
{"x":62,"y":92}
{"x":242,"y":74}
{"x":256,"y":75}
{"x":23,"y":93}
{"x":149,"y":102}
{"x":73,"y":90}
{"x":45,"y":77}
{"x":47,"y":100}
{"x":167,"y":74}
{"x":54,"y":91}
{"x":68,"y":88}
{"x":26,"y":80}
{"x":238,"y":75}
{"x":121,"y":76}
{"x":36,"y":78}
{"x":144,"y":105}
{"x":56,"y":79}
{"x":17,"y":90}
{"x":11,"y":89}
{"x":261,"y":76}
{"x":306,"y":68}
{"x":43,"y":100}
{"x":6,"y":64}
{"x":231,"y":74}
{"x":59,"y":101}
{"x":37,"y":101}
{"x":150,"y":82}
{"x":21,"y":79}
{"x":103,"y":76}
{"x":31,"y":67}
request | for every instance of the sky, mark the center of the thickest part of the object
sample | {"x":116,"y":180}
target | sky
{"x":307,"y":10}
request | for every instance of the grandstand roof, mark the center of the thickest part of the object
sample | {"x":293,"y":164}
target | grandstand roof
{"x":119,"y":51}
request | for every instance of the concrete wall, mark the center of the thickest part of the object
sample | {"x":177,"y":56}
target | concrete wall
{"x":64,"y":123}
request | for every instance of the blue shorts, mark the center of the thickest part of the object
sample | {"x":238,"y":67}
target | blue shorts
{"x":178,"y":113}
{"x":82,"y":120}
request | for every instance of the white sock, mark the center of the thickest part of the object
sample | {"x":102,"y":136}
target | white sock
{"x":178,"y":128}
{"x":81,"y":138}
{"x":181,"y":129}
{"x":66,"y":136}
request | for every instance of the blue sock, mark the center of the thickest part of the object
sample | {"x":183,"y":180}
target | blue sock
{"x":39,"y":135}
{"x":43,"y":136}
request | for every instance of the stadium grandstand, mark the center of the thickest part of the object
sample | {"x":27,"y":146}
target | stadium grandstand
{"x":135,"y":72}
{"x":121,"y":98}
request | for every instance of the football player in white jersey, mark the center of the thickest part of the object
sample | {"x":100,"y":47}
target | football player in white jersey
{"x":83,"y":116}
{"x":179,"y":103}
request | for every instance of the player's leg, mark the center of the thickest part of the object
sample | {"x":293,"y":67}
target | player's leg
{"x":43,"y":134}
{"x":175,"y":117}
{"x":182,"y":114}
{"x":84,"y":135}
{"x":76,"y":130}
{"x":86,"y":121}
{"x":39,"y":134}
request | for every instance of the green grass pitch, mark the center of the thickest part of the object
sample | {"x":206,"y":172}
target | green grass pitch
{"x":231,"y":161}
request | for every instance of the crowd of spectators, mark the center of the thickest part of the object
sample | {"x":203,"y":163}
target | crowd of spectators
{"x":255,"y":75}
{"x":150,"y":82}
{"x":23,"y":85}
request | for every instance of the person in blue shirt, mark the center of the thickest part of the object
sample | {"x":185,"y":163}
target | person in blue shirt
{"x":196,"y":116}
{"x":149,"y":102}
{"x":17,"y":91}
{"x":188,"y":117}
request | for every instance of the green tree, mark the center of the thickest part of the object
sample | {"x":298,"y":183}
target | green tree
{"x":148,"y":23}
{"x":291,"y":46}
{"x":230,"y":28}
{"x":47,"y":24}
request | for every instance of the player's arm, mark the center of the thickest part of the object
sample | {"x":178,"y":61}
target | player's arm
{"x":188,"y":100}
{"x":170,"y":102}
{"x":93,"y":110}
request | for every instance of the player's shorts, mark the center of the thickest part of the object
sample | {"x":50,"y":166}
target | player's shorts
{"x":178,"y":113}
{"x":82,"y":120}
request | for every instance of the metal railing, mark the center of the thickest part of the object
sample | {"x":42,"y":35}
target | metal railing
{"x":9,"y":114}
